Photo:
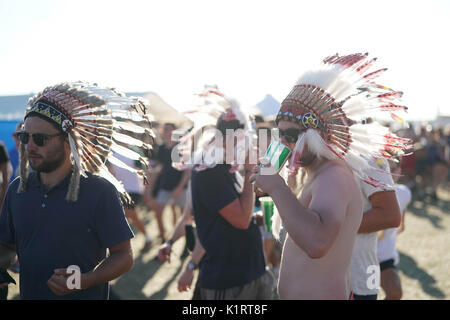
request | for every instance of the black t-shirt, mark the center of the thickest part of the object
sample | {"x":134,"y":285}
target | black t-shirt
{"x":169,"y":177}
{"x":234,"y":257}
{"x":4,"y":157}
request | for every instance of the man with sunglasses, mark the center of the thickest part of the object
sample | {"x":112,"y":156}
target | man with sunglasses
{"x":323,"y":121}
{"x":62,"y":244}
{"x":321,"y":223}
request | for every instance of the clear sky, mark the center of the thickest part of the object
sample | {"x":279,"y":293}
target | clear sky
{"x":248,"y":48}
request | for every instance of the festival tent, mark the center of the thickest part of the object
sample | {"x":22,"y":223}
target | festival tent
{"x":267,"y":107}
{"x":164,"y":113}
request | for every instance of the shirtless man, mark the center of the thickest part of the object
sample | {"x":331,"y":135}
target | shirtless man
{"x":324,"y":122}
{"x":321,"y":226}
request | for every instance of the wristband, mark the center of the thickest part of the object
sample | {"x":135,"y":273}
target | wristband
{"x":191,"y":265}
{"x":170,"y":242}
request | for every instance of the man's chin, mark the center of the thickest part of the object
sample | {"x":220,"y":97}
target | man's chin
{"x":41,"y":168}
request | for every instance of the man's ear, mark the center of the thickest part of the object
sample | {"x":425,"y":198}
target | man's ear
{"x":67,"y":143}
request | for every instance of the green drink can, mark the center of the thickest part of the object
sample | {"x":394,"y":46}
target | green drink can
{"x":276,"y":156}
{"x":267,"y":207}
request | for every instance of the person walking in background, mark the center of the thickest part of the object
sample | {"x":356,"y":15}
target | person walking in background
{"x":386,"y":248}
{"x":135,"y":187}
{"x":171,"y":182}
{"x":14,"y":152}
{"x":5,"y":170}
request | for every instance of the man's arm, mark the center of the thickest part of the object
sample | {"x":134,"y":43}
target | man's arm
{"x":166,"y":248}
{"x":239,"y":212}
{"x":184,"y":180}
{"x":185,"y":280}
{"x":401,"y":227}
{"x":117,"y":263}
{"x":385,"y":213}
{"x":316,"y":228}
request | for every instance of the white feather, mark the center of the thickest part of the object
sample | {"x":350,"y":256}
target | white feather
{"x":130,"y":154}
{"x":76,"y":156}
{"x":103,"y":172}
{"x":130,"y":127}
{"x":121,"y":164}
{"x":127,"y":139}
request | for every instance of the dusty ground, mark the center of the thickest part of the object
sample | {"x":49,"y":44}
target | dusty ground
{"x":423,"y":246}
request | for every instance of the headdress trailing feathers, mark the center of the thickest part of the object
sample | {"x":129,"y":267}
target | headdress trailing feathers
{"x":97,"y":121}
{"x":211,"y":110}
{"x":337,"y":104}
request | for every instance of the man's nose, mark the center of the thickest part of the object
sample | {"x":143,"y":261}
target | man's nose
{"x":31,"y":146}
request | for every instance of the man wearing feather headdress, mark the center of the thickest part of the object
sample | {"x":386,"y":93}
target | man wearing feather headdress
{"x":63,"y":216}
{"x":323,"y":122}
{"x":233,"y":265}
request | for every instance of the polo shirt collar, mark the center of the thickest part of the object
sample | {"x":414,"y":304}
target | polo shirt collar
{"x":35,"y":181}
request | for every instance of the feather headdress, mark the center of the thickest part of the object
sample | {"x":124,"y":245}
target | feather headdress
{"x":97,"y":121}
{"x":201,"y":145}
{"x":336,"y":104}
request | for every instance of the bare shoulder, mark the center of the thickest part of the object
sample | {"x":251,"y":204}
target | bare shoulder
{"x":335,"y":171}
{"x":334,"y":174}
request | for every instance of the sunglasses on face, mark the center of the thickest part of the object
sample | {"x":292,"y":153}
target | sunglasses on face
{"x":291,"y":134}
{"x":38,"y":138}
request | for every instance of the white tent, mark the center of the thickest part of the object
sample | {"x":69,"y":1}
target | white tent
{"x":164,"y":113}
{"x":268,"y":107}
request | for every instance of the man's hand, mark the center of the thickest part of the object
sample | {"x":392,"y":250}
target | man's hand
{"x":4,"y":284}
{"x":176,"y":192}
{"x":164,"y":252}
{"x":266,"y":183}
{"x":58,"y":282}
{"x":185,"y":280}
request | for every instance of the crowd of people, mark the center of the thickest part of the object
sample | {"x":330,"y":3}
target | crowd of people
{"x":340,"y":196}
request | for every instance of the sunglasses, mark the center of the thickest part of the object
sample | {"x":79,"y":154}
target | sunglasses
{"x":38,"y":138}
{"x":291,"y":134}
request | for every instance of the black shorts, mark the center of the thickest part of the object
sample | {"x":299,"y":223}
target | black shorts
{"x":387,"y":264}
{"x":364,"y":297}
{"x":136,"y":197}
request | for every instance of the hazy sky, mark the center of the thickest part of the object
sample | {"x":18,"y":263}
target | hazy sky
{"x":248,"y":48}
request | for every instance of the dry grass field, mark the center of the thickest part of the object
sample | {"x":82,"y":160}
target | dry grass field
{"x":423,"y":246}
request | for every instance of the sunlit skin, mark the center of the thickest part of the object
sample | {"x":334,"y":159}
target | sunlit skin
{"x":52,"y":160}
{"x":321,"y":225}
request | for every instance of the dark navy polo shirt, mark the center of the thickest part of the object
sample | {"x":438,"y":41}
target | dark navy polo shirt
{"x":50,"y":232}
{"x":170,"y":177}
{"x":234,"y":257}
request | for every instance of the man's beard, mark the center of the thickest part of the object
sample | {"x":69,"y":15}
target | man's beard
{"x":308,"y":160}
{"x":51,"y":165}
